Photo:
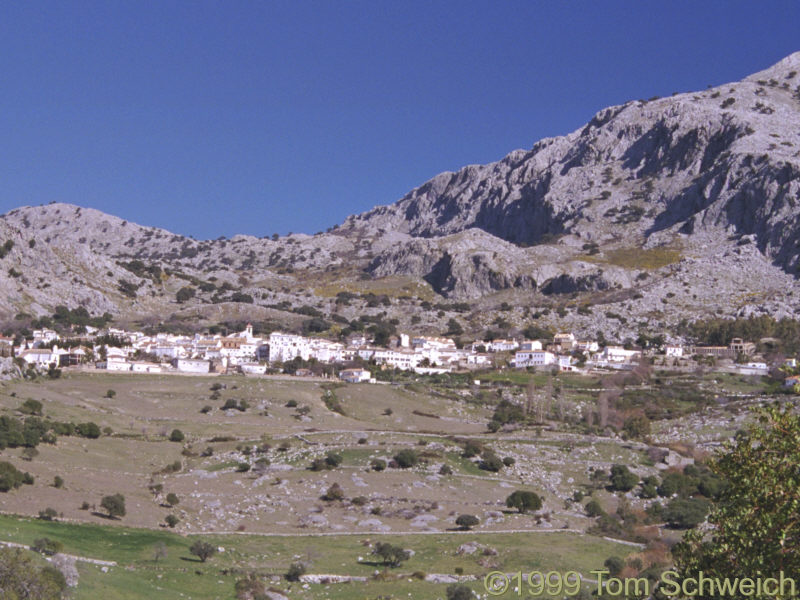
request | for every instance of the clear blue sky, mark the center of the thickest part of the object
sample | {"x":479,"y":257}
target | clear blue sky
{"x":216,"y":118}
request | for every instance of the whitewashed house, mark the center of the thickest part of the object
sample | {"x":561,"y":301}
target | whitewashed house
{"x":533,"y":358}
{"x":192,"y":365}
{"x":355,"y":375}
{"x":285,"y":346}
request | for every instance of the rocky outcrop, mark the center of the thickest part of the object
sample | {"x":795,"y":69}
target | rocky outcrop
{"x":662,"y":208}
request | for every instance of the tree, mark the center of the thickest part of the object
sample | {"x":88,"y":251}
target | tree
{"x":594,"y":509}
{"x":171,"y":521}
{"x":391,"y":556}
{"x":114,"y":505}
{"x":333,"y":493}
{"x":636,"y":427}
{"x":172,"y":499}
{"x":622,"y":479}
{"x":614,"y":564}
{"x":88,"y":430}
{"x":203,"y":550}
{"x":755,"y":528}
{"x":406,"y":458}
{"x":21,"y":578}
{"x":47,"y":546}
{"x":685,"y":513}
{"x":10,"y":477}
{"x":524,"y":501}
{"x":467,"y":522}
{"x":160,"y":551}
{"x":176,"y":436}
{"x":458,"y":591}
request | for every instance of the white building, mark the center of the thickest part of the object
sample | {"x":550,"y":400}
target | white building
{"x":41,"y":357}
{"x":44,"y":336}
{"x":251,"y":368}
{"x":618,"y":354}
{"x":530,"y":345}
{"x":355,"y":375}
{"x":533,"y":358}
{"x":502,"y":345}
{"x":285,"y":346}
{"x":673,"y":351}
{"x":192,"y":365}
{"x":145,"y":367}
{"x":406,"y":360}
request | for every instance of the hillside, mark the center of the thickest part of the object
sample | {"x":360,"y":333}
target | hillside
{"x":660,"y":210}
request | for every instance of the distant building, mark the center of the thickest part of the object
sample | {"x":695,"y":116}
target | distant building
{"x":673,"y":351}
{"x":530,"y":345}
{"x":355,"y":375}
{"x":192,"y":365}
{"x":533,"y":358}
{"x":251,"y":368}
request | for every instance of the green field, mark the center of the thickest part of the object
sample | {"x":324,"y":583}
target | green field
{"x":139,"y":575}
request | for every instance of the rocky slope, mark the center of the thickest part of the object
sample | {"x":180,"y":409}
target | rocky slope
{"x":658,"y":210}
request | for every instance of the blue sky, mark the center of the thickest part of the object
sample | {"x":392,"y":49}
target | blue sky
{"x":216,"y":118}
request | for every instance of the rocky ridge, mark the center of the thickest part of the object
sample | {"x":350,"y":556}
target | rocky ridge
{"x":658,"y":210}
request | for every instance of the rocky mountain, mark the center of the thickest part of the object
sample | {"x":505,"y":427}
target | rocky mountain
{"x":659,"y":210}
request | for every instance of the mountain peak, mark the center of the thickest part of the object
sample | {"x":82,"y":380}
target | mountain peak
{"x":785,"y":69}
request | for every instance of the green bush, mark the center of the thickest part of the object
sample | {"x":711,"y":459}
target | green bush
{"x":622,"y":480}
{"x":524,"y":501}
{"x":406,"y":458}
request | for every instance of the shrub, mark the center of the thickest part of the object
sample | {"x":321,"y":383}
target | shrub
{"x":48,"y":514}
{"x":471,"y":448}
{"x":296,"y":570}
{"x":47,"y":546}
{"x":406,"y":458}
{"x":467,"y":522}
{"x":203,"y":550}
{"x":114,"y":505}
{"x":172,"y":499}
{"x":185,"y":294}
{"x":10,"y":477}
{"x":458,"y":591}
{"x":333,"y":460}
{"x":524,"y":501}
{"x":377,"y":464}
{"x":333,"y":493}
{"x":176,"y":436}
{"x":171,"y":521}
{"x":110,"y":393}
{"x":243,"y":467}
{"x":391,"y":556}
{"x":614,"y":564}
{"x":88,"y":430}
{"x":58,"y":482}
{"x":594,"y":509}
{"x":491,"y":462}
{"x":445,"y":470}
{"x":622,"y":480}
{"x":31,"y":407}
